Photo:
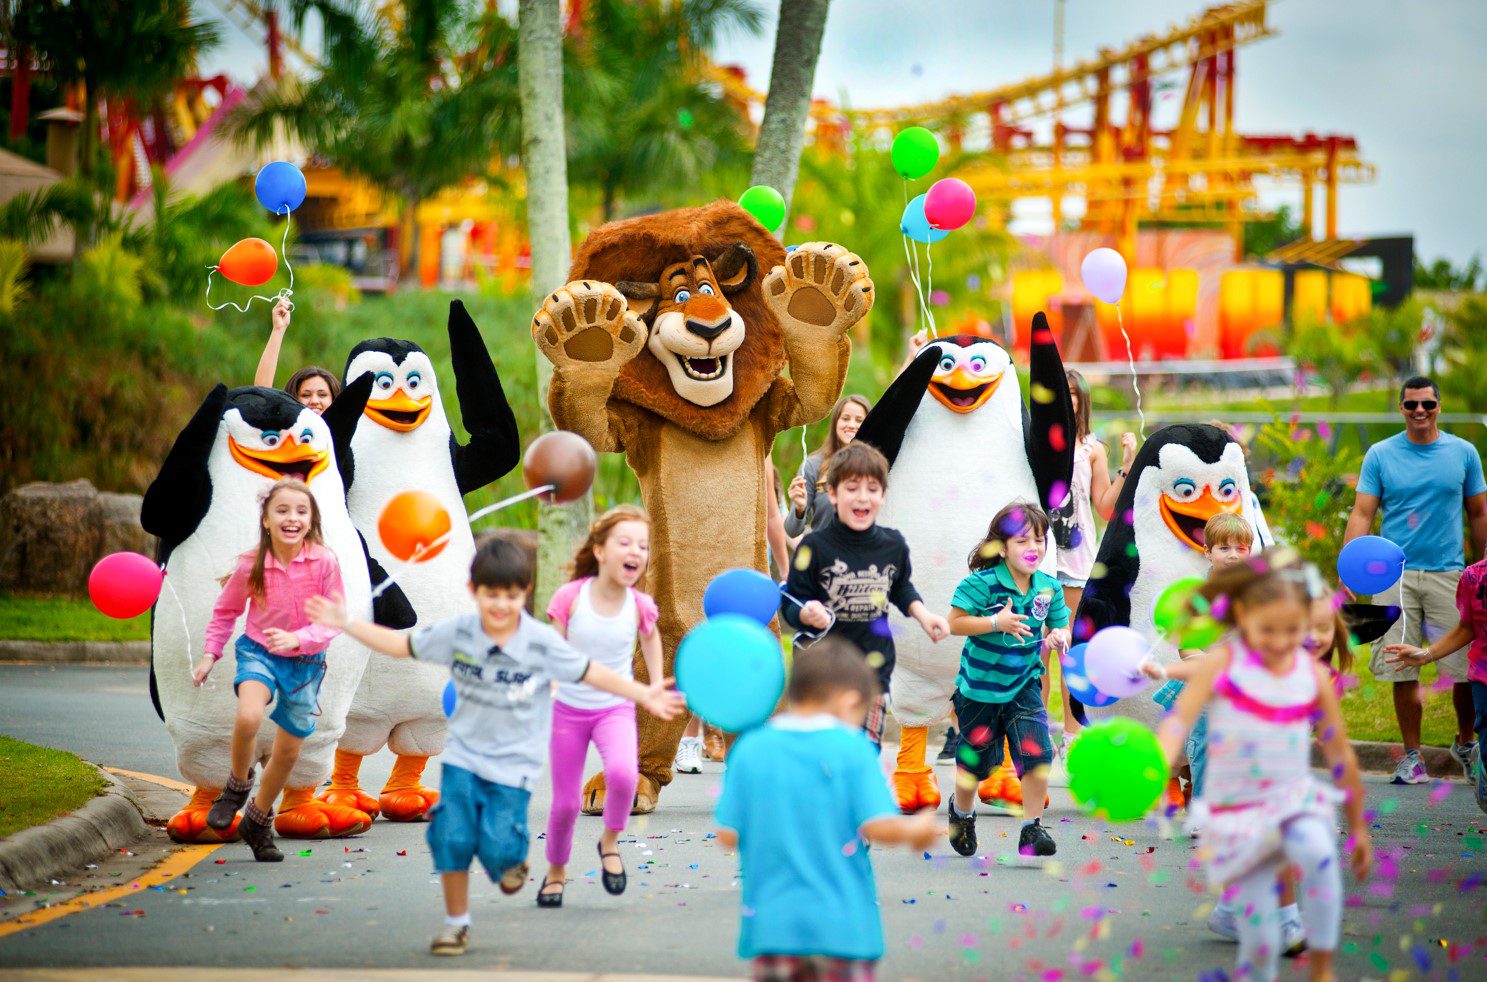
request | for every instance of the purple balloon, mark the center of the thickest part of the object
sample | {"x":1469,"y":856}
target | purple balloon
{"x":1113,"y":661}
{"x":1104,"y":274}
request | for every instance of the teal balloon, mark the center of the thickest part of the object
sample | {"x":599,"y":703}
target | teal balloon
{"x":916,"y":226}
{"x":1117,"y":770}
{"x":915,"y":152}
{"x":765,"y":204}
{"x":742,"y":591}
{"x":732,"y":672}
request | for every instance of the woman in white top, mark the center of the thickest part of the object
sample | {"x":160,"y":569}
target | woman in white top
{"x":1091,"y":490}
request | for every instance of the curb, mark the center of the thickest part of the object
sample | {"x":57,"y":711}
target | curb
{"x":1380,"y":758}
{"x":107,"y":823}
{"x":75,"y":652}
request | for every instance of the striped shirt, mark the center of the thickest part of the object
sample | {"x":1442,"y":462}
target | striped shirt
{"x":994,"y":667}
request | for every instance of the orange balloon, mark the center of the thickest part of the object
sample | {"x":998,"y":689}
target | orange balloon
{"x":410,"y":524}
{"x":563,"y":459}
{"x":250,"y":262}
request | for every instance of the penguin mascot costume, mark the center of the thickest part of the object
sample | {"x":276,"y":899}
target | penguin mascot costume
{"x":1183,"y":476}
{"x":404,"y":442}
{"x":955,"y":460}
{"x":204,"y":507}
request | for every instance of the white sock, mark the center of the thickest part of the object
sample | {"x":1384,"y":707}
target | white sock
{"x":458,"y":920}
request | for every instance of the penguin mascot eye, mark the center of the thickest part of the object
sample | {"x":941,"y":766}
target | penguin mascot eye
{"x":384,"y":382}
{"x":414,"y":379}
{"x":270,"y":438}
{"x":1228,"y":490}
{"x":947,"y":363}
{"x":1184,"y":489}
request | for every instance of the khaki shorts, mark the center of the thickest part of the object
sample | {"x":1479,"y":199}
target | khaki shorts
{"x":1429,"y":607}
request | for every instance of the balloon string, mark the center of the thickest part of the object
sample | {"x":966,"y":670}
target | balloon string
{"x":185,"y":627}
{"x":281,"y":295}
{"x":419,"y":550}
{"x":284,"y":252}
{"x":929,"y":286}
{"x":1131,"y":361}
{"x":804,"y":638}
{"x":927,"y":315}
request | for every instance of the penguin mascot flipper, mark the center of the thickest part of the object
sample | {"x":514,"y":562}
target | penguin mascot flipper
{"x":390,"y":608}
{"x":885,"y":425}
{"x":1050,"y":437}
{"x":495,"y":445}
{"x":1182,"y":476}
{"x":180,"y":495}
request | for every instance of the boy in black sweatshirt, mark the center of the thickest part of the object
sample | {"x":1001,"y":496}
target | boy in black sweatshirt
{"x":846,"y":573}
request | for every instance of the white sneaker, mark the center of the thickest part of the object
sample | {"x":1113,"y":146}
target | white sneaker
{"x":1224,"y":922}
{"x":1462,"y":754}
{"x":1292,"y":934}
{"x":689,"y":756}
{"x":1411,"y":770}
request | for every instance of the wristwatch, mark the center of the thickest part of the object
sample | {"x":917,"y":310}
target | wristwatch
{"x":1120,"y":472}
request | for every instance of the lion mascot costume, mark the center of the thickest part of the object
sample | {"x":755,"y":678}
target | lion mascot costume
{"x":668,"y":345}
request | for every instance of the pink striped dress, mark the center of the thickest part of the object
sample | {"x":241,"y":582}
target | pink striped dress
{"x":1259,"y":763}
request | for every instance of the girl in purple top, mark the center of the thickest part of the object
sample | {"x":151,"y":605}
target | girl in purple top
{"x":280,"y":655}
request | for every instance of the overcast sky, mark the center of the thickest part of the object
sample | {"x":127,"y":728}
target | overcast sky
{"x":1407,"y":79}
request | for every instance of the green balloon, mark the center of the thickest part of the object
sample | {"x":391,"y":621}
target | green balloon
{"x":915,"y":152}
{"x":1117,"y":770}
{"x":765,"y":204}
{"x":1182,"y":615}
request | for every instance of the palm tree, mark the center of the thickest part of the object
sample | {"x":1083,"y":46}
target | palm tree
{"x":544,"y":160}
{"x":797,"y":48}
{"x":413,"y":99}
{"x":646,"y":120}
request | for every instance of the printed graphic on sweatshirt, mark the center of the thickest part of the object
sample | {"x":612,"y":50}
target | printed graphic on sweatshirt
{"x":858,"y":595}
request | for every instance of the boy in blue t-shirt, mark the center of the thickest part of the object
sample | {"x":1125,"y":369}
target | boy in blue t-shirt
{"x":801,"y":797}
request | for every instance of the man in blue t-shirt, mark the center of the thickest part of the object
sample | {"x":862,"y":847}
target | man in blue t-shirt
{"x":1422,"y":477}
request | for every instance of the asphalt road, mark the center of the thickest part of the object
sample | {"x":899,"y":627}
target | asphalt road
{"x":1116,"y":901}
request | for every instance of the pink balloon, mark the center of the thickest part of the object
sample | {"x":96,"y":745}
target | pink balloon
{"x":1113,"y":661}
{"x":1104,"y":274}
{"x":125,"y":584}
{"x":949,"y":204}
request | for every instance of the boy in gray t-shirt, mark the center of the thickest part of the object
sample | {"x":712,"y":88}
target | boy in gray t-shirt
{"x":503,"y":663}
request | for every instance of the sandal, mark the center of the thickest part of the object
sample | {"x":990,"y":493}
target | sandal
{"x":614,"y":883}
{"x":546,"y":899}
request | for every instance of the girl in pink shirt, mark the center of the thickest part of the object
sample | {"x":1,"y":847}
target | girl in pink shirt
{"x":280,"y":655}
{"x":600,"y":612}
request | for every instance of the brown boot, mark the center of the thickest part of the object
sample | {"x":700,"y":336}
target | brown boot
{"x":257,"y":830}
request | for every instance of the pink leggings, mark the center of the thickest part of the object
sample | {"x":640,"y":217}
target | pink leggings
{"x":612,"y":730}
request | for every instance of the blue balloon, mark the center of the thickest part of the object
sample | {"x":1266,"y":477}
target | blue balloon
{"x":732,"y":672}
{"x":449,"y":698}
{"x":1077,"y":680}
{"x":280,"y":187}
{"x":742,"y":591}
{"x":1370,"y":564}
{"x":916,"y":226}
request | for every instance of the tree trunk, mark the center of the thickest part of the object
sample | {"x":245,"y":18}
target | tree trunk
{"x":797,"y":46}
{"x":411,"y":271}
{"x":545,"y":163}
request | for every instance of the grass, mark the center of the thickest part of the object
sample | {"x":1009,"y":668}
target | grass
{"x":38,"y":785}
{"x":25,"y":618}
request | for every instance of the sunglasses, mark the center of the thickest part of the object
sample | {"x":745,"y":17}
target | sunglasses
{"x":1410,"y":405}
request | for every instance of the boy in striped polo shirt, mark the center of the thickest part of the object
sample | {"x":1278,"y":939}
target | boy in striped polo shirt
{"x":1002,"y":610}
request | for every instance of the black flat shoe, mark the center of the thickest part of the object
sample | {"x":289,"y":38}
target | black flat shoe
{"x":546,"y":899}
{"x":613,"y":882}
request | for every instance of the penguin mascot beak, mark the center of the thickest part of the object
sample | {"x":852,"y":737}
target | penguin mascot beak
{"x":962,"y":392}
{"x":399,"y":412}
{"x":289,"y":458}
{"x":1185,"y":519}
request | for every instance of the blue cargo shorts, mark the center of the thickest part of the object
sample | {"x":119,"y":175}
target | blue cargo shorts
{"x":293,"y":683}
{"x":476,"y":817}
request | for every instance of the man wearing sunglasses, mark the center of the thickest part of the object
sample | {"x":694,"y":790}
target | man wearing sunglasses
{"x":1423,"y":477}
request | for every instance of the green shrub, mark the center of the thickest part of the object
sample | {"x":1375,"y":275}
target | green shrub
{"x":1309,"y":489}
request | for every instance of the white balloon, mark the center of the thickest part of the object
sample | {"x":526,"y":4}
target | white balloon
{"x":1104,"y":274}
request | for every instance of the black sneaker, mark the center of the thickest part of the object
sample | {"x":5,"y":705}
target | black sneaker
{"x":952,"y":744}
{"x":1035,"y":840}
{"x":260,"y":838}
{"x":229,"y":802}
{"x":963,"y":831}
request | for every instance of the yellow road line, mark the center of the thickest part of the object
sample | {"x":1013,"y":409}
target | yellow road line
{"x":167,"y":869}
{"x":164,"y":782}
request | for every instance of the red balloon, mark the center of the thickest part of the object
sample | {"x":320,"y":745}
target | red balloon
{"x":562,"y":459}
{"x":251,"y":262}
{"x":949,"y":203}
{"x":125,"y":584}
{"x":410,"y":524}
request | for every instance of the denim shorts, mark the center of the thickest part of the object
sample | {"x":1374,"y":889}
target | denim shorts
{"x":476,"y":817}
{"x":293,"y":683}
{"x":1021,"y":721}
